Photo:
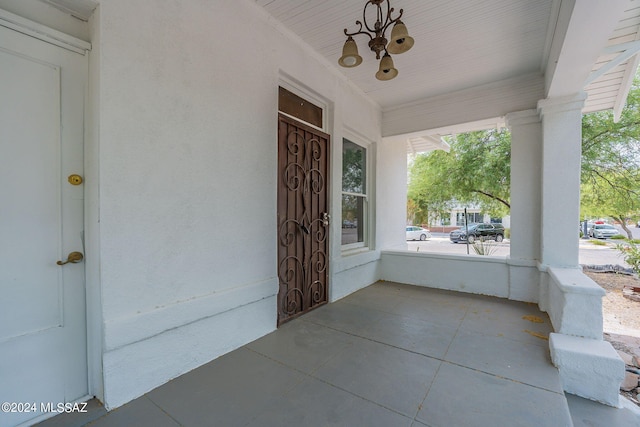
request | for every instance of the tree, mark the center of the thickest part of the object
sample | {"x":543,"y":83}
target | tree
{"x":475,"y":170}
{"x":611,"y":162}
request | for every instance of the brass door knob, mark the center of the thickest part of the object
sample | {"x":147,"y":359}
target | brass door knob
{"x":73,"y":258}
{"x":75,"y":179}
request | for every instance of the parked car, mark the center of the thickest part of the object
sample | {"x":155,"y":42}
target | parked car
{"x":417,"y":233}
{"x":603,"y":231}
{"x":483,"y":231}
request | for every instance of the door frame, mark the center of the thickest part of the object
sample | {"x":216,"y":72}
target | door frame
{"x":93,"y":304}
{"x":315,"y":181}
{"x":294,"y":86}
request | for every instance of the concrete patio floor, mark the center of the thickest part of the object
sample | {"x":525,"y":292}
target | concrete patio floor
{"x":387,"y":355}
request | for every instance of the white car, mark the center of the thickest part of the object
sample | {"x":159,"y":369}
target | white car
{"x":417,"y":233}
{"x":603,"y":231}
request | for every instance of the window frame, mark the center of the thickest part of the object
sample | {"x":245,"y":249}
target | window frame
{"x":365,"y":195}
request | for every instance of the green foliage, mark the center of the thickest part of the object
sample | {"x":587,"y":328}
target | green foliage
{"x":353,"y":180}
{"x":631,"y":254}
{"x":617,"y":237}
{"x":484,"y":247}
{"x":611,"y":162}
{"x":353,"y":168}
{"x":598,"y":242}
{"x":476,"y":170}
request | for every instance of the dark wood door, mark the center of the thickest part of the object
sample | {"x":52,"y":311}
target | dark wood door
{"x":303,"y":220}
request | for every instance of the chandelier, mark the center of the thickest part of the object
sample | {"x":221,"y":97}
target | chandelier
{"x":400,"y":41}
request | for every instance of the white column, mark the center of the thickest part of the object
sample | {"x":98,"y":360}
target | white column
{"x":560,"y":201}
{"x":573,"y":301}
{"x":526,"y":152}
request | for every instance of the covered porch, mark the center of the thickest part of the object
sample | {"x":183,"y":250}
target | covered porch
{"x":386,"y":355}
{"x":181,"y":291}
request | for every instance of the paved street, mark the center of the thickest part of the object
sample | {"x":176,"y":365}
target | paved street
{"x":590,"y":254}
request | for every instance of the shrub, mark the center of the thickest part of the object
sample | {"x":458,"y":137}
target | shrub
{"x":598,"y":242}
{"x":618,"y":237}
{"x":484,"y":247}
{"x":507,"y":233}
{"x":631,"y":253}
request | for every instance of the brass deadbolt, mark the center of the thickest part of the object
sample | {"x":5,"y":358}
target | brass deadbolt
{"x":75,"y":179}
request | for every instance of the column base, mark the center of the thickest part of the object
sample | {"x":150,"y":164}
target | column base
{"x":588,"y":368}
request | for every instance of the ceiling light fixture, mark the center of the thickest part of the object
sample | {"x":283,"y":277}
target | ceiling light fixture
{"x":400,"y":41}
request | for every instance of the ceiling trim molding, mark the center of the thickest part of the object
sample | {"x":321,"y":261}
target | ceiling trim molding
{"x":582,"y":33}
{"x":470,"y":105}
{"x":42,"y":32}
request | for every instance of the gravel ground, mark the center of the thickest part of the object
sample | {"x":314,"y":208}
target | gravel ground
{"x":621,"y":316}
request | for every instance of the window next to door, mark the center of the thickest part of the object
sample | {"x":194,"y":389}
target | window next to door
{"x":354,"y":195}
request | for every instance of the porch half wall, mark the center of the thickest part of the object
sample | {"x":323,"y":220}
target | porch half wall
{"x":485,"y":275}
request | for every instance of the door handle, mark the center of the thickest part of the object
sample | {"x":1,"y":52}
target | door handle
{"x":304,"y":228}
{"x":73,"y":258}
{"x":325,"y":219}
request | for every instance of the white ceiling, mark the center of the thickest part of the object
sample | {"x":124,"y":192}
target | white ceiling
{"x":458,"y":43}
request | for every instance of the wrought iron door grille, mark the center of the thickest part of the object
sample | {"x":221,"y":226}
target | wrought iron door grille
{"x":302,"y":220}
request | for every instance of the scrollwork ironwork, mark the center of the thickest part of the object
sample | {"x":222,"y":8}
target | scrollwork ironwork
{"x":316,"y":290}
{"x":319,"y":260}
{"x":290,"y":305}
{"x":302,"y":278}
{"x":291,"y":176}
{"x":287,"y":232}
{"x":321,"y":231}
{"x":290,"y":273}
{"x":315,"y":181}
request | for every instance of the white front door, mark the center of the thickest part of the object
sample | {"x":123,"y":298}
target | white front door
{"x":43,"y":345}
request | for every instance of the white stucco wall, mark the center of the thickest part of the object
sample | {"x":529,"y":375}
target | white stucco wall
{"x":187,"y":161}
{"x":353,"y":270}
{"x":392,"y":195}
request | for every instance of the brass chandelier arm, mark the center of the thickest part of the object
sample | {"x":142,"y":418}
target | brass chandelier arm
{"x":379,"y":32}
{"x":358,"y":32}
{"x":378,"y":25}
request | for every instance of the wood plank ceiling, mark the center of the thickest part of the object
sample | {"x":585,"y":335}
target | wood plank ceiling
{"x":610,"y":90}
{"x":459,"y":44}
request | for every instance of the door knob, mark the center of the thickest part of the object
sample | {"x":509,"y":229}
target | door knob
{"x":73,"y":258}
